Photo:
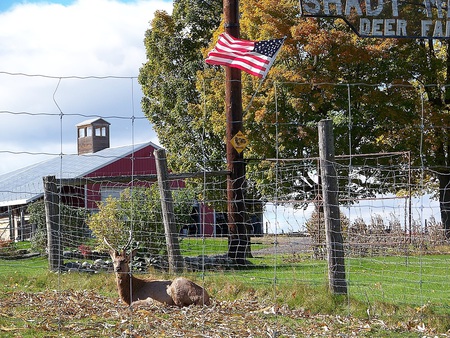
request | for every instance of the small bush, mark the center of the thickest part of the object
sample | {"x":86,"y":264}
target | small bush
{"x":139,"y":210}
{"x":7,"y":247}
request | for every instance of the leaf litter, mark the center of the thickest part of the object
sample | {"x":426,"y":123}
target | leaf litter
{"x":89,"y":314}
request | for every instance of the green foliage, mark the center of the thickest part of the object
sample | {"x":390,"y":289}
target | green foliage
{"x":184,"y":99}
{"x":172,"y":102}
{"x":139,"y":209}
{"x":39,"y":241}
{"x":72,"y":222}
{"x":36,"y":211}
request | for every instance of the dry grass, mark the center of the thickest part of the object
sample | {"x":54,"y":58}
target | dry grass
{"x":88,"y":314}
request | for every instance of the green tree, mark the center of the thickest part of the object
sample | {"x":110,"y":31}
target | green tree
{"x":309,"y":81}
{"x":139,"y":209}
{"x":72,"y":220}
{"x":172,"y":102}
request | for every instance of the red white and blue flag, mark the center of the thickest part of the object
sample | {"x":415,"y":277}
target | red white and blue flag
{"x":253,"y":57}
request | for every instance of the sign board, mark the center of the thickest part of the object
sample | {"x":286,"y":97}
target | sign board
{"x":424,"y":19}
{"x":239,"y":142}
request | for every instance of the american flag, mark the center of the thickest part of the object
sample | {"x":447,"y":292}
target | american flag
{"x":253,"y":57}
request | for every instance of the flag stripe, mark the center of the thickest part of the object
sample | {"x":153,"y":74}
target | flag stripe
{"x":241,"y":64}
{"x":241,"y":54}
{"x":252,"y":60}
{"x":244,"y":45}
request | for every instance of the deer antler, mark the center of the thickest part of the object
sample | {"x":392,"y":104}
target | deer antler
{"x":125,"y":248}
{"x":109,"y":245}
{"x":128,"y":245}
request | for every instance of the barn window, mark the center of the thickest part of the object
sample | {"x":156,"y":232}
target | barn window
{"x":111,"y":192}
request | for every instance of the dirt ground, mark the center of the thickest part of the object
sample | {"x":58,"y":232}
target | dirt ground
{"x":283,"y":245}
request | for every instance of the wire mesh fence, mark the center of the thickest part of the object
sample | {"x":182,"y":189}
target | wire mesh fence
{"x":395,"y":246}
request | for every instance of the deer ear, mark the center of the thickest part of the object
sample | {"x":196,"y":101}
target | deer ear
{"x":132,"y":253}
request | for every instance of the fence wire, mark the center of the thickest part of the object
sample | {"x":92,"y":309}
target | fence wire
{"x":395,"y":247}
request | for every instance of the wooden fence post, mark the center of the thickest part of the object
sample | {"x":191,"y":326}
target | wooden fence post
{"x":173,"y":246}
{"x":51,"y":202}
{"x":335,"y":245}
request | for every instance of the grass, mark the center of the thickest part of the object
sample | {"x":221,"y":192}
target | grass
{"x":193,"y":246}
{"x":394,"y":289}
{"x":415,"y":280}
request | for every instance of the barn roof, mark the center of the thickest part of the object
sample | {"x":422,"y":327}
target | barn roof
{"x":25,"y":185}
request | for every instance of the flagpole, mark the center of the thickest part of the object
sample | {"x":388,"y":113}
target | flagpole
{"x":238,"y":238}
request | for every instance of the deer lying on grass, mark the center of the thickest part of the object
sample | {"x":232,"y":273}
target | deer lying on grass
{"x":135,"y":291}
{"x":185,"y":292}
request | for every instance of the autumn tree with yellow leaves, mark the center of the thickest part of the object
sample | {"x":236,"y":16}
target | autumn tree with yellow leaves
{"x":382,"y":94}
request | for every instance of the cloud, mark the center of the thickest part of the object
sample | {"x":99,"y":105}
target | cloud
{"x":62,"y":64}
{"x":100,"y":37}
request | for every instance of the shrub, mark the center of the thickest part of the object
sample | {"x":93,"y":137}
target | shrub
{"x":316,"y":229}
{"x":138,"y":209}
{"x":72,"y":222}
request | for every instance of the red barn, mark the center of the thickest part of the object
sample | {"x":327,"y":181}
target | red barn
{"x":95,"y":159}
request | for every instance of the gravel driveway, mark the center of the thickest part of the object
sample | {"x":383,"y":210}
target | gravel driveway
{"x":282,"y":245}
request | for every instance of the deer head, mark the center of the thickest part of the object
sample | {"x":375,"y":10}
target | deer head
{"x":121,"y":260}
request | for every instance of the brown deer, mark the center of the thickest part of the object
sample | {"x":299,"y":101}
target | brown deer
{"x":185,"y":292}
{"x":135,"y":291}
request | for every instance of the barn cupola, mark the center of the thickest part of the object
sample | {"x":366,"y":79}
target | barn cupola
{"x":93,"y":136}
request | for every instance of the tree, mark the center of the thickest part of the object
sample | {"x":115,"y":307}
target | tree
{"x":72,"y":220}
{"x":139,"y":209}
{"x":172,"y":102}
{"x":311,"y":80}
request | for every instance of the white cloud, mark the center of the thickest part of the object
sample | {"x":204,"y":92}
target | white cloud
{"x":89,"y":38}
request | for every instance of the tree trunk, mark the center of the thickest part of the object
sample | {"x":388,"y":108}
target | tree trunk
{"x":444,"y":202}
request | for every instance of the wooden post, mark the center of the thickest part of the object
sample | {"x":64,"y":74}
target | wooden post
{"x":11,"y":224}
{"x":335,"y":245}
{"x":238,"y":237}
{"x":51,"y":202}
{"x":170,"y":229}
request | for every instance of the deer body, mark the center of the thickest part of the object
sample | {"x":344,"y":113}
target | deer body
{"x":136,"y":291}
{"x":132,"y":289}
{"x":185,"y":292}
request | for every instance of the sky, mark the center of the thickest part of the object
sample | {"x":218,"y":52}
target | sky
{"x":63,"y":62}
{"x":285,"y":219}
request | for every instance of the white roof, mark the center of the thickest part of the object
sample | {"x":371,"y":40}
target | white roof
{"x":26,"y":185}
{"x":91,"y":121}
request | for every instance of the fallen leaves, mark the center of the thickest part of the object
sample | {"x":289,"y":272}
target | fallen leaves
{"x":88,"y":314}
